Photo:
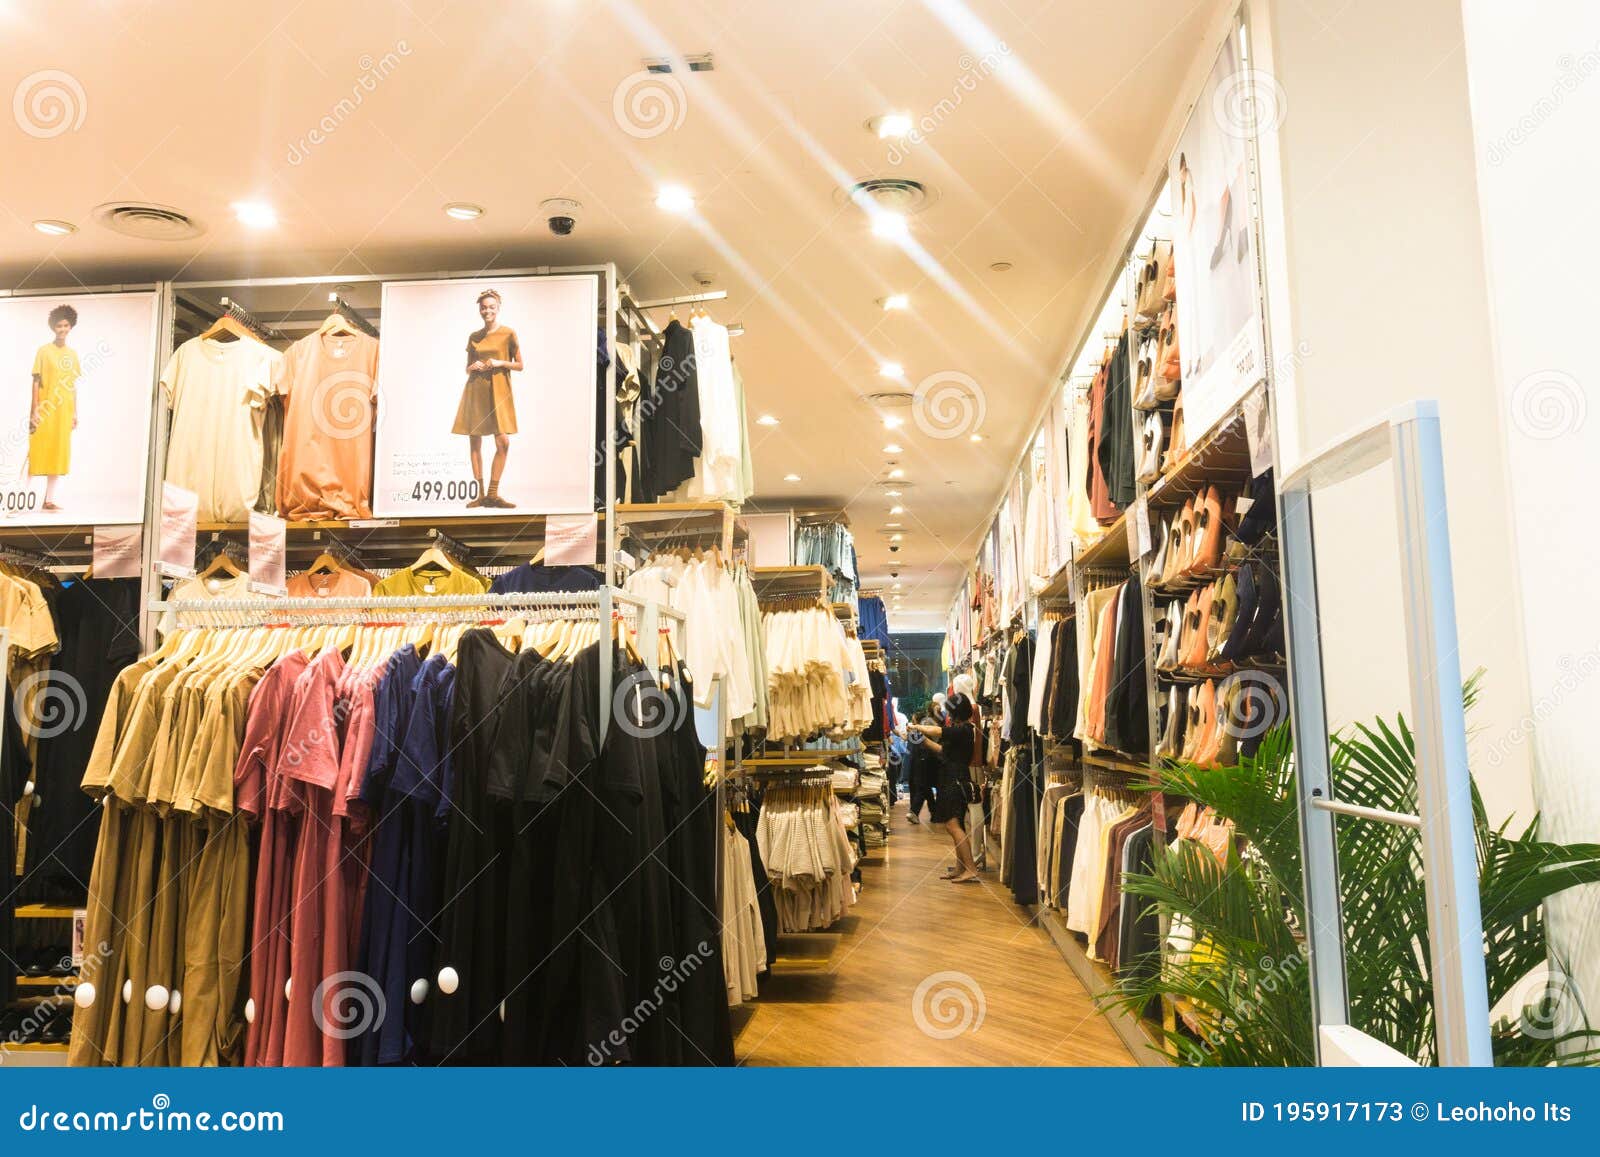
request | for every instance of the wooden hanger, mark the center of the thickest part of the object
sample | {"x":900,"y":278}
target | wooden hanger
{"x":228,"y":326}
{"x":336,"y":323}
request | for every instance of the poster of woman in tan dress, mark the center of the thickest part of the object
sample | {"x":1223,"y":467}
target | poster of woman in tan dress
{"x":486,"y":408}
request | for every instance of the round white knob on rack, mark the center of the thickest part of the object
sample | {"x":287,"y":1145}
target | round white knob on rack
{"x":419,"y":991}
{"x":502,"y":1012}
{"x":175,"y":1003}
{"x":288,"y":987}
{"x":250,"y":1011}
{"x":127,"y":991}
{"x":83,"y":996}
{"x":156,"y":997}
{"x":449,"y":980}
{"x":27,"y":789}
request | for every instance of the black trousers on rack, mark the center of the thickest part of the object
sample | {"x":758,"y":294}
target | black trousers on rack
{"x":921,"y":776}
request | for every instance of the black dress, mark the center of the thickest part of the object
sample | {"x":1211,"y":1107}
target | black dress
{"x":954,"y":774}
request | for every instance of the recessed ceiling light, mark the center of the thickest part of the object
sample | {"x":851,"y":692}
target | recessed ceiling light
{"x":889,"y":226}
{"x":897,"y":510}
{"x":893,"y":448}
{"x":891,"y":125}
{"x":891,"y":370}
{"x":255,"y":214}
{"x":897,"y":473}
{"x":893,"y":422}
{"x":766,"y":420}
{"x":894,"y":525}
{"x":896,"y":301}
{"x":1001,"y":267}
{"x":463,"y":211}
{"x":975,"y":437}
{"x":896,"y":587}
{"x":895,"y":493}
{"x":896,"y":537}
{"x":791,"y":477}
{"x":674,"y":199}
{"x":55,"y":228}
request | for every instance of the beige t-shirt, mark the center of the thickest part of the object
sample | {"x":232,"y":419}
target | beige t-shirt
{"x":325,"y":466}
{"x":217,"y":391}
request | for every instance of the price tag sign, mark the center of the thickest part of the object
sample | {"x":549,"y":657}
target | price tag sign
{"x":180,"y":510}
{"x":268,"y":548}
{"x":569,"y":539}
{"x":1258,"y":432}
{"x":118,"y":551}
{"x":80,"y":924}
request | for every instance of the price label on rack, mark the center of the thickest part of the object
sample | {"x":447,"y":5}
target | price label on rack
{"x":180,"y":510}
{"x":268,"y":548}
{"x":118,"y":551}
{"x":570,"y":539}
{"x":1258,"y":432}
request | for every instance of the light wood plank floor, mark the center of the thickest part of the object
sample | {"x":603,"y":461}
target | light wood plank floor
{"x":865,"y":1008}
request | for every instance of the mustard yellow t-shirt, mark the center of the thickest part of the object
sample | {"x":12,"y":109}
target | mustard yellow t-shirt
{"x":419,"y":580}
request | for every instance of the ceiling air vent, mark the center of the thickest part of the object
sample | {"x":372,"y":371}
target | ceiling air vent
{"x":890,"y":399}
{"x":148,"y":221}
{"x":889,"y":194}
{"x":694,"y":62}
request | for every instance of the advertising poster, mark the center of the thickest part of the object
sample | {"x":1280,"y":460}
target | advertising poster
{"x":486,"y":397}
{"x":75,"y":414}
{"x":1213,"y":242}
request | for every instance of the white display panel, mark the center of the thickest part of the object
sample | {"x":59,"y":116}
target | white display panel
{"x":1213,"y":240}
{"x":420,"y":466}
{"x":92,"y":420}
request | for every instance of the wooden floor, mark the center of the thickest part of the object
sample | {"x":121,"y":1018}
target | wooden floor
{"x":928,"y":973}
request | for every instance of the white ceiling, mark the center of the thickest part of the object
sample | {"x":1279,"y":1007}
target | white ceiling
{"x":1042,"y":154}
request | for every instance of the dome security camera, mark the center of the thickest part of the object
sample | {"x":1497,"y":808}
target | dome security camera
{"x":561,"y":214}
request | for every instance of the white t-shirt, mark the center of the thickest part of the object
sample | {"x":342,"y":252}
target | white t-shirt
{"x":217,"y":391}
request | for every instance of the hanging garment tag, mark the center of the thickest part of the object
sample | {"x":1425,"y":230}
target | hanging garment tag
{"x":569,"y":539}
{"x":268,"y":548}
{"x":80,"y":925}
{"x":1258,"y":432}
{"x":118,"y":551}
{"x":180,"y":511}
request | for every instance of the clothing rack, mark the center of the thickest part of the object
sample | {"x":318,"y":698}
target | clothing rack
{"x":603,"y":603}
{"x":249,"y":320}
{"x":451,"y":545}
{"x":351,"y":314}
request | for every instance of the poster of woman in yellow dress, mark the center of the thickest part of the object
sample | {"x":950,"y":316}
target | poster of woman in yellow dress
{"x":54,"y":415}
{"x":75,"y":433}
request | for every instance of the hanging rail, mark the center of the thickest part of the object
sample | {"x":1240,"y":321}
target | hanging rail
{"x":244,"y":317}
{"x":351,"y":314}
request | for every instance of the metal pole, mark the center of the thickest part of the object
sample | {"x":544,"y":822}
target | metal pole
{"x":1444,"y":786}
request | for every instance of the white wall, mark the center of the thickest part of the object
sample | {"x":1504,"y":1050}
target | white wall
{"x":1534,"y":71}
{"x":1377,"y":295}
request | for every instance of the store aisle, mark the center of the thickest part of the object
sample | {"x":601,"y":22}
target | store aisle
{"x":865,"y":1007}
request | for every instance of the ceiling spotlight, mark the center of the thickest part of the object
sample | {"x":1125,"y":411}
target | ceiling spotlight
{"x":891,"y":370}
{"x":55,"y":228}
{"x":894,"y":525}
{"x":463,"y":211}
{"x":896,"y":537}
{"x":895,"y":493}
{"x":897,"y":473}
{"x":791,"y":477}
{"x":893,"y":448}
{"x":896,"y":587}
{"x":975,"y":438}
{"x":897,"y":510}
{"x":674,"y":199}
{"x":895,"y":301}
{"x":766,"y":420}
{"x":889,"y":226}
{"x":893,"y":422}
{"x":891,"y":125}
{"x":255,"y":214}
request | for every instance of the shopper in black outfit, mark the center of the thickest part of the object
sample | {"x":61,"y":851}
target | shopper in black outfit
{"x":922,"y":773}
{"x":951,"y":745}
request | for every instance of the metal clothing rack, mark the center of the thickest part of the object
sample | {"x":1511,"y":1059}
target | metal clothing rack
{"x":351,"y":314}
{"x":602,"y":603}
{"x":245,"y":318}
